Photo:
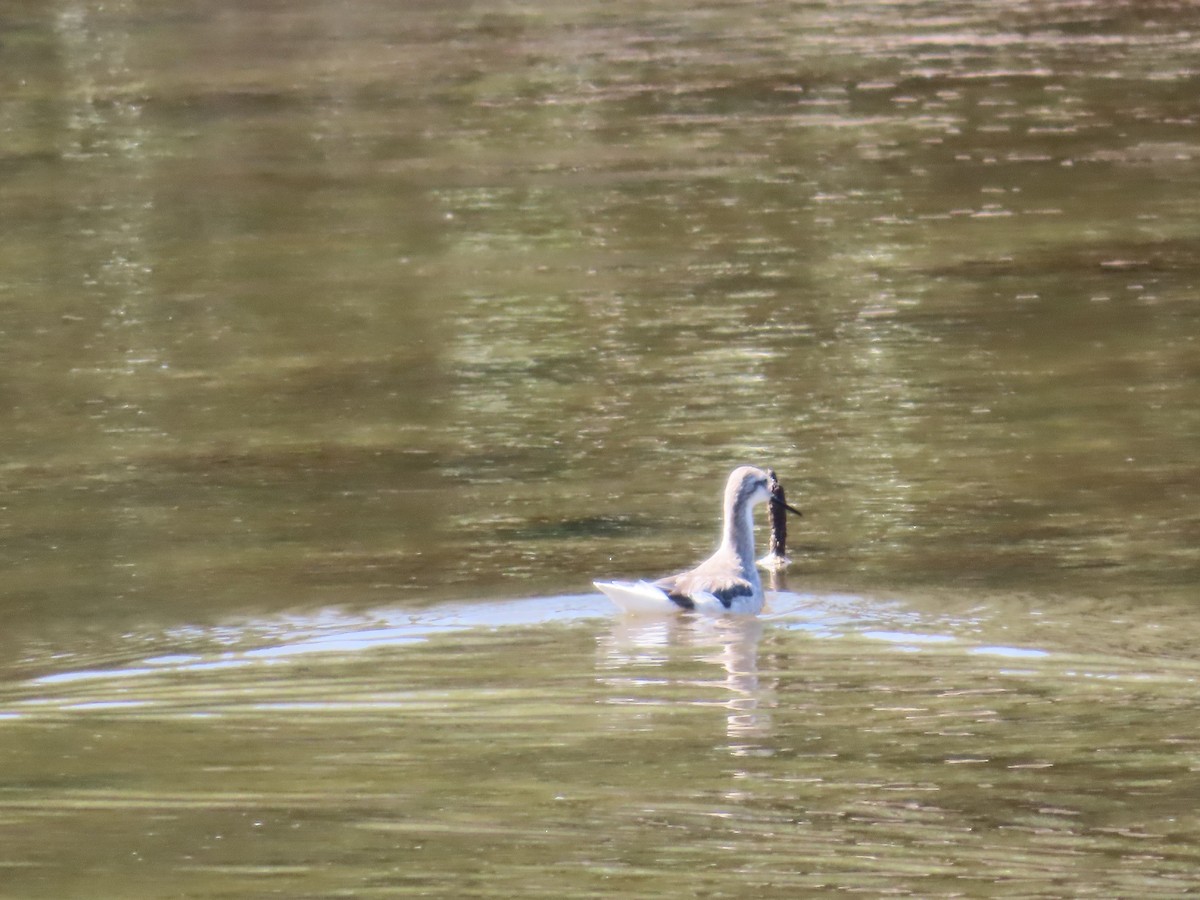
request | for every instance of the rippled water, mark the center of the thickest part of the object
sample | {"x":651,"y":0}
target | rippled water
{"x":544,"y":747}
{"x":345,"y":345}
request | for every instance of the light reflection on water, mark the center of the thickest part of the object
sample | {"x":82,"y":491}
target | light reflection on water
{"x":839,"y":721}
{"x":630,"y":642}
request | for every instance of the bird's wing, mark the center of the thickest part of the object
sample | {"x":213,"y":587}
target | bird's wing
{"x":685,"y":589}
{"x":670,"y":587}
{"x":636,"y":597}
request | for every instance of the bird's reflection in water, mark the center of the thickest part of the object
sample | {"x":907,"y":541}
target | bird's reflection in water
{"x":651,"y":661}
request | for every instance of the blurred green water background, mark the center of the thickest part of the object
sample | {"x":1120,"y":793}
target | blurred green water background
{"x":318,"y":316}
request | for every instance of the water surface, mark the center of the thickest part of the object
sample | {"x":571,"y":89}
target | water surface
{"x":345,"y":345}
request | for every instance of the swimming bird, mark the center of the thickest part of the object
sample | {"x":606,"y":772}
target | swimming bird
{"x":726,"y":582}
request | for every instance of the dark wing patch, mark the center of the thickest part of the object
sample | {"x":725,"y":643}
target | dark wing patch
{"x":728,"y":594}
{"x":680,"y":589}
{"x":670,"y":585}
{"x":683,"y":601}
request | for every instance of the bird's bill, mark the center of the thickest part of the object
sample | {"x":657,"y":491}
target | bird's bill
{"x":787,"y":506}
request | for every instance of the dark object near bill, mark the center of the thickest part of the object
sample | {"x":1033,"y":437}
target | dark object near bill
{"x":777,"y":516}
{"x":777,"y":511}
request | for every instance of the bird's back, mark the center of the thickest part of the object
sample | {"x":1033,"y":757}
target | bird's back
{"x":717,"y":577}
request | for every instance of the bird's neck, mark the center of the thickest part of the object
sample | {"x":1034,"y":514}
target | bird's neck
{"x":737,"y":536}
